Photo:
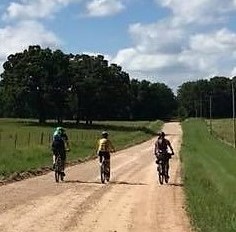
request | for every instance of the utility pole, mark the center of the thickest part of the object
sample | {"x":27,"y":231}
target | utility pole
{"x":233,"y":106}
{"x":210,"y":114}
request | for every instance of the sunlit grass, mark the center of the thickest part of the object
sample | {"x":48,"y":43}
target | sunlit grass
{"x":209,"y":179}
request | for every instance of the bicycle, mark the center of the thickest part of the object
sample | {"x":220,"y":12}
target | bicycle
{"x":59,"y":174}
{"x":162,"y":167}
{"x":105,"y":170}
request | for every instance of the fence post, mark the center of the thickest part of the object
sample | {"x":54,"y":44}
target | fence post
{"x":15,"y":140}
{"x":29,"y":137}
{"x":41,"y":141}
{"x":49,"y":138}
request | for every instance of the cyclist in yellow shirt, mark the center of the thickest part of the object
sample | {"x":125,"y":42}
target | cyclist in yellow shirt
{"x":104,"y":148}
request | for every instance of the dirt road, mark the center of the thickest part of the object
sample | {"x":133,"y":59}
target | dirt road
{"x":132,"y":201}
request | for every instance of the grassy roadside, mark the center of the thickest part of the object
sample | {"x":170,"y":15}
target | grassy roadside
{"x":223,"y":129}
{"x":25,"y":146}
{"x":209,"y":177}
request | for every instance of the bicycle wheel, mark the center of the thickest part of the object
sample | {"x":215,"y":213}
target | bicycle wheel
{"x":166,"y":173}
{"x":57,"y":174}
{"x":160,"y":173}
{"x":102,"y":170}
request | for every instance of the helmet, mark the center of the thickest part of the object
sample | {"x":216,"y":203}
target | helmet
{"x":161,"y":134}
{"x":60,"y":130}
{"x":104,"y":134}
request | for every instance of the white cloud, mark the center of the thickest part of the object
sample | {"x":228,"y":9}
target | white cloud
{"x":100,"y":8}
{"x":135,"y":60}
{"x":199,"y":11}
{"x":233,"y":72}
{"x":157,"y":37}
{"x":221,"y":41}
{"x":186,"y":45}
{"x":29,"y":9}
{"x":189,"y":55}
{"x":16,"y":38}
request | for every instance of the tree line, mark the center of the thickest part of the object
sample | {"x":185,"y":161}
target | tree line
{"x":45,"y":84}
{"x":207,"y":98}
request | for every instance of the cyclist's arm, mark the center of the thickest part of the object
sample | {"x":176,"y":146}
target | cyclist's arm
{"x":111,"y":147}
{"x":66,"y":142}
{"x":97,"y":147}
{"x":171,"y":148}
{"x":67,"y":145}
{"x":156,"y":148}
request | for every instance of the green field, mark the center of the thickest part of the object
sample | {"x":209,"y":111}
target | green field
{"x":209,"y":179}
{"x":25,"y":145}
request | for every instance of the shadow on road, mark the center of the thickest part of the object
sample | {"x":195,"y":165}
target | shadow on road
{"x":98,"y":182}
{"x":176,"y":184}
{"x":127,"y":183}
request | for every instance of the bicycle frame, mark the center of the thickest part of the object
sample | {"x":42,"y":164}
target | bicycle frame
{"x":162,"y":169}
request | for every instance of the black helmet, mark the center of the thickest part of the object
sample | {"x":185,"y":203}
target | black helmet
{"x":104,"y":134}
{"x":162,"y":134}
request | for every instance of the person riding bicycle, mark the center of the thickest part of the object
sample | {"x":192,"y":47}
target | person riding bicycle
{"x":161,"y":150}
{"x":104,"y":148}
{"x":60,"y":145}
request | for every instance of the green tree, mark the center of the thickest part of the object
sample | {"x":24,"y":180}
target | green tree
{"x":32,"y":79}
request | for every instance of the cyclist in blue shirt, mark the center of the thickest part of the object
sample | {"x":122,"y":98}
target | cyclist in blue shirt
{"x":59,"y":145}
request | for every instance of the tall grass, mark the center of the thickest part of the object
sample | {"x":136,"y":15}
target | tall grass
{"x":24,"y":145}
{"x":210,"y":177}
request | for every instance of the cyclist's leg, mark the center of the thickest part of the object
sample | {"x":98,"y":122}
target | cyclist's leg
{"x":107,"y":158}
{"x":100,"y":157}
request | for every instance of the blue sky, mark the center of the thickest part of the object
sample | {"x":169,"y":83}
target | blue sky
{"x":170,"y":41}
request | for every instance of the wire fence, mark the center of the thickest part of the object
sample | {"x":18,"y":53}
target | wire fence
{"x":29,"y":139}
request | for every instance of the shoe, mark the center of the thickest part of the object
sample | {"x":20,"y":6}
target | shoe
{"x":63,"y":174}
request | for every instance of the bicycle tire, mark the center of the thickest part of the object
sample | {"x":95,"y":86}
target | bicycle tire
{"x":58,"y":164}
{"x":166,"y":177}
{"x":160,"y":173}
{"x":57,"y":176}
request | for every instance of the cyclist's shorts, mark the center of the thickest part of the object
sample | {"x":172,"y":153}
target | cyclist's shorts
{"x":105,"y":154}
{"x":61,"y":152}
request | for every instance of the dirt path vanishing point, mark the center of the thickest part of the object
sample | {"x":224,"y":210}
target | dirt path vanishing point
{"x":132,"y":201}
